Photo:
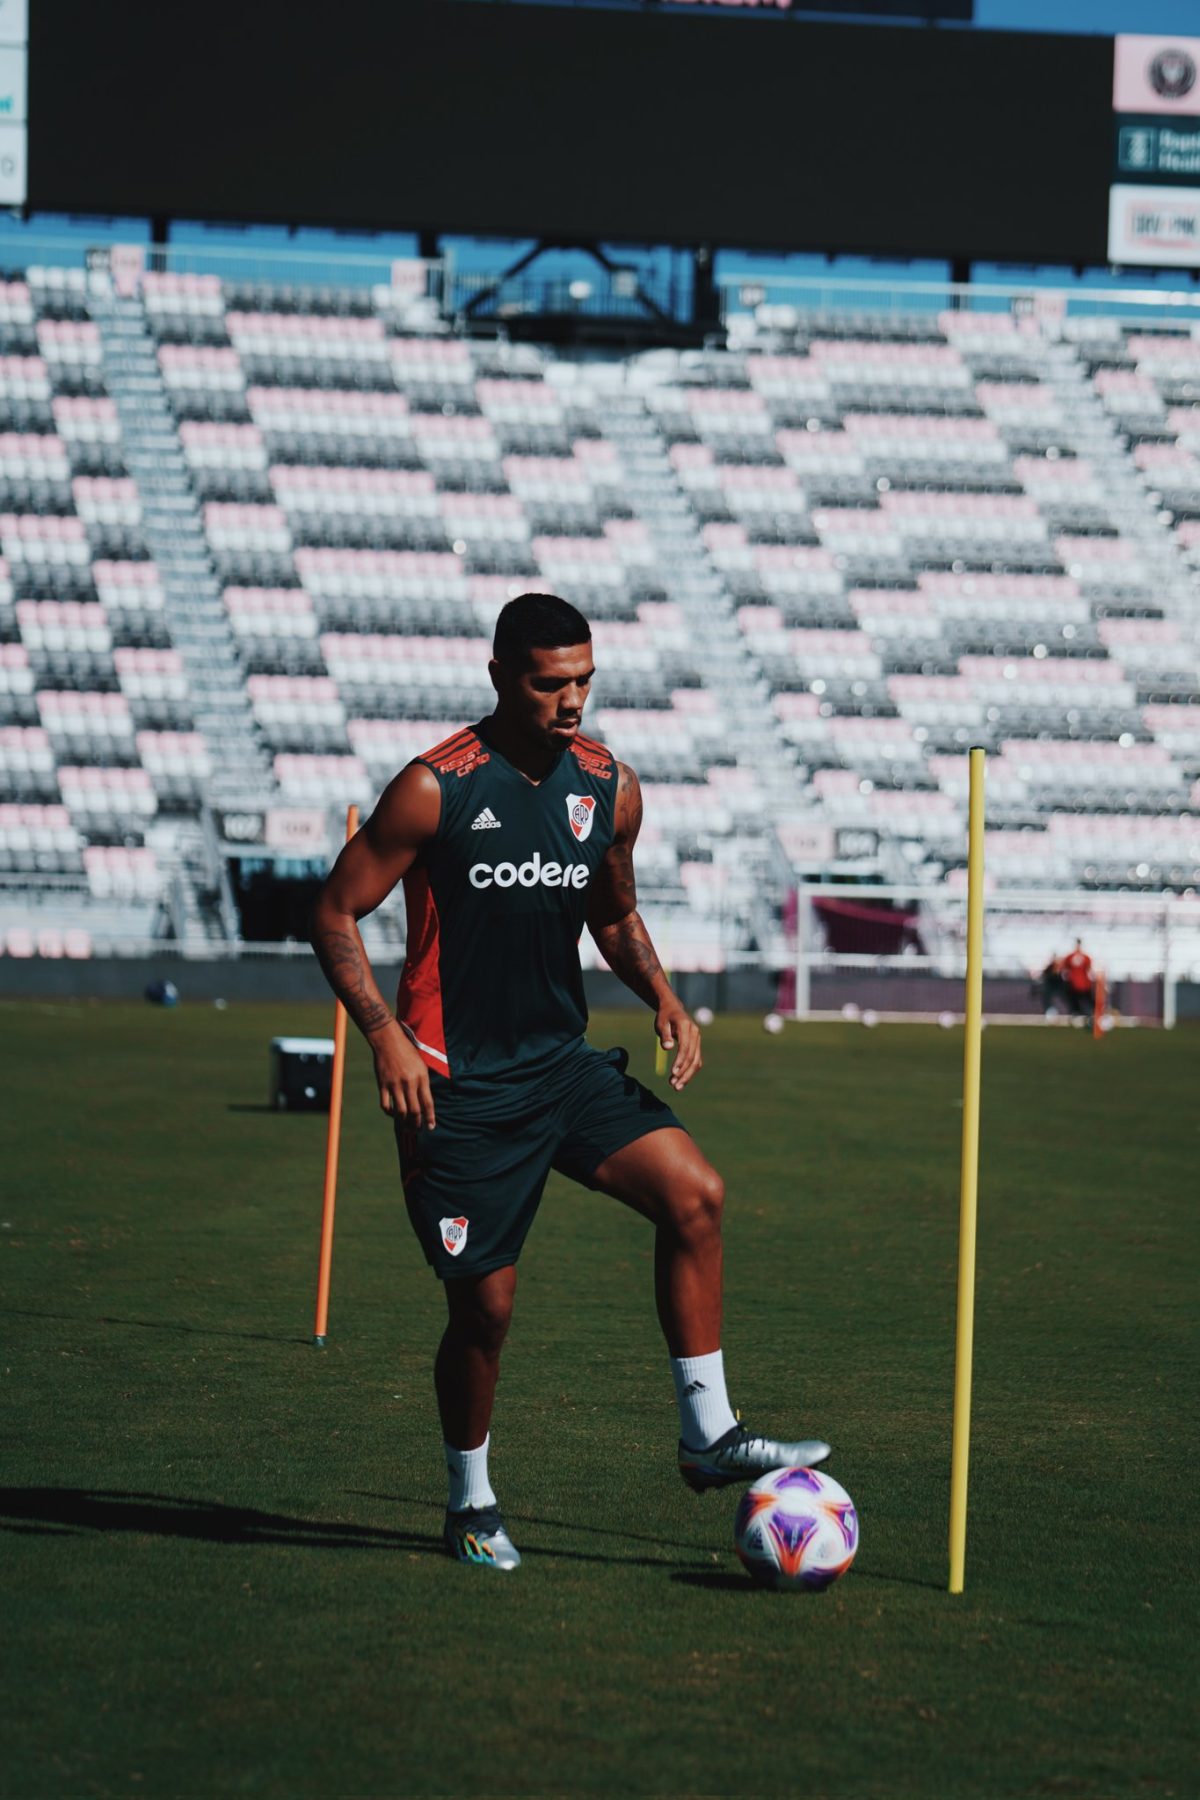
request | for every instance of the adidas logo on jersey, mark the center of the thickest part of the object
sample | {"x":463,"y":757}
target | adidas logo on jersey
{"x":486,"y":821}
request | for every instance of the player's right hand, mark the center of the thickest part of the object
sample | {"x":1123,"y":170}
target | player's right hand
{"x":404,"y":1091}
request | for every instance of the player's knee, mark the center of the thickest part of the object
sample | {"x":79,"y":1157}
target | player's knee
{"x":491,"y":1319}
{"x":712,"y":1195}
{"x":482,"y":1316}
{"x":697,"y":1212}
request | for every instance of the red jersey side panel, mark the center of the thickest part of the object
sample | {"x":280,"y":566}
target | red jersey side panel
{"x":419,"y":1003}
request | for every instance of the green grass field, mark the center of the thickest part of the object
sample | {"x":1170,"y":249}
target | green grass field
{"x":221,"y":1547}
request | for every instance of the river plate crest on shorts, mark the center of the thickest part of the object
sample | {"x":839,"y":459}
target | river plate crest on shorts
{"x":454,"y":1234}
{"x":580,"y":808}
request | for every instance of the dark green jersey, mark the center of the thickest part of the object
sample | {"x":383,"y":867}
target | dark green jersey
{"x":496,"y":906}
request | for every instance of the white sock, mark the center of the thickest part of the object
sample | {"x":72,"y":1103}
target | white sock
{"x":469,"y":1484}
{"x":704,"y":1410}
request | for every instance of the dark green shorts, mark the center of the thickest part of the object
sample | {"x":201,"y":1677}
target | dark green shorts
{"x":472,"y":1185}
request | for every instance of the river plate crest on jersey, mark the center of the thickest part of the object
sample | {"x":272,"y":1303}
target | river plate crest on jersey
{"x":580,"y":808}
{"x":454,"y":1234}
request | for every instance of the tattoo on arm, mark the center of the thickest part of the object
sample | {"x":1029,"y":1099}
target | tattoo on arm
{"x":626,"y":948}
{"x":615,"y":923}
{"x":615,"y":894}
{"x":617,"y":888}
{"x":348,"y":972}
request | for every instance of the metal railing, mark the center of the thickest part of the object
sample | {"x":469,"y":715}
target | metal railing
{"x":612,"y":292}
{"x":745,"y":292}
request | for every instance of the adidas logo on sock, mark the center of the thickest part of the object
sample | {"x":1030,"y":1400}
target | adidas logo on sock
{"x":487,"y":821}
{"x":694,"y":1387}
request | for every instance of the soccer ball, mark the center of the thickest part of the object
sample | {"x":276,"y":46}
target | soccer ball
{"x":703,"y":1015}
{"x":870,"y":1019}
{"x":773,"y":1022}
{"x":796,"y":1528}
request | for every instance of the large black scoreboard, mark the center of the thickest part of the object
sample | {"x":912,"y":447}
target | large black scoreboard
{"x":672,"y":124}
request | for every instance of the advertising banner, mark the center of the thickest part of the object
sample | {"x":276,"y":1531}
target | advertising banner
{"x":14,"y":21}
{"x":1154,"y":200}
{"x":1156,"y":75}
{"x":14,"y":110}
{"x":298,"y":831}
{"x":13,"y":162}
{"x":810,"y":846}
{"x":243,"y":829}
{"x":1156,"y":227}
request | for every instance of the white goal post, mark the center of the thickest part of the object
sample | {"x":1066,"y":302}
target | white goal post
{"x":902,"y":950}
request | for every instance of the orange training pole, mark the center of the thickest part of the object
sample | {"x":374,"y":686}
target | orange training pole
{"x":332,"y":1145}
{"x":1099,"y":1002}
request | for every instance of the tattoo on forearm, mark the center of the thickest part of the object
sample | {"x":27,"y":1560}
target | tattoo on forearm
{"x":627,"y":950}
{"x":619,"y":886}
{"x":348,"y":973}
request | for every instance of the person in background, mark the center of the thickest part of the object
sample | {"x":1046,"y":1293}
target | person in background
{"x":1051,"y":988}
{"x":1080,"y":983}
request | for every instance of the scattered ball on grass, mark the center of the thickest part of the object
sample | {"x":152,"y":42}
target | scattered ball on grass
{"x":773,"y":1022}
{"x":703,"y":1015}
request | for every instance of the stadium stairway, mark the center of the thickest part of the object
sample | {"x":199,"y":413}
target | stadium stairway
{"x":723,"y":658}
{"x":196,"y":884}
{"x":1133,"y":510}
{"x":196,"y":618}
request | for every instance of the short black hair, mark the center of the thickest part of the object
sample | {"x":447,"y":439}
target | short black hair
{"x":537,"y":622}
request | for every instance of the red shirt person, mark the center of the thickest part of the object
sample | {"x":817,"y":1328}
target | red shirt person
{"x":1077,"y":969}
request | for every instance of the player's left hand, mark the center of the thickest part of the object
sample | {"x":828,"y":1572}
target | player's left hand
{"x":675,"y":1026}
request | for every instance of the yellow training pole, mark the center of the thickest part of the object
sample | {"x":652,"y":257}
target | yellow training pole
{"x":332,"y":1145}
{"x":969,"y":1186}
{"x":660,"y":1055}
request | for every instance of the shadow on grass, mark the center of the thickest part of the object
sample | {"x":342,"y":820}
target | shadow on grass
{"x":574,"y":1525}
{"x":164,"y":1515}
{"x":696,"y":1574}
{"x":257,"y":1337}
{"x":721,"y":1580}
{"x":68,"y":1512}
{"x":718,"y":1581}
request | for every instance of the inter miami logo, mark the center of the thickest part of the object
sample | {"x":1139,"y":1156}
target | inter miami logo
{"x":454,"y":1234}
{"x":1172,"y":73}
{"x":580,"y":808}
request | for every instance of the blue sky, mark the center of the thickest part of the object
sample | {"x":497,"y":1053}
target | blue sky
{"x":1105,"y":17}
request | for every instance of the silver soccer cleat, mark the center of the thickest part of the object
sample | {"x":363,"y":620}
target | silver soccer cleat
{"x":479,"y":1535}
{"x":742,"y":1456}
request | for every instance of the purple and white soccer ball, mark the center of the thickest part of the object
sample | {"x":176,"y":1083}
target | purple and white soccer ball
{"x":796,"y":1528}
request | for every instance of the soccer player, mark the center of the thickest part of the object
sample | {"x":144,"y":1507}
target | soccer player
{"x":1077,"y":974}
{"x":510,"y":836}
{"x":1051,"y":986}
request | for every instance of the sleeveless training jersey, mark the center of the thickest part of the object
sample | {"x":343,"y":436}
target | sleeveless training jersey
{"x":496,"y":903}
